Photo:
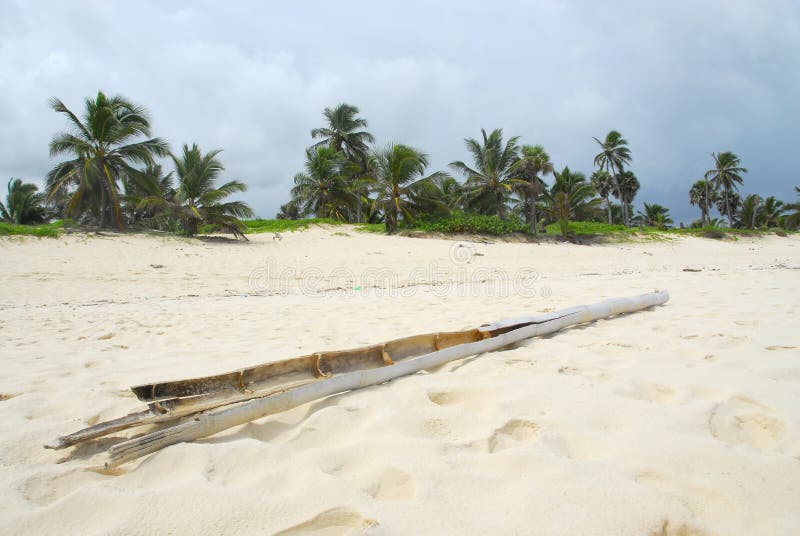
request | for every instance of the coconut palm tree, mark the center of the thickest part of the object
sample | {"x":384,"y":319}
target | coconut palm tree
{"x":654,"y":215}
{"x":569,"y":196}
{"x":450,"y":192}
{"x":342,"y":132}
{"x":748,"y":214}
{"x":24,"y":203}
{"x":702,"y":195}
{"x":614,"y":154}
{"x":533,"y":161}
{"x":771,"y":211}
{"x":321,"y":190}
{"x":726,"y":175}
{"x":149,"y":182}
{"x":603,"y":185}
{"x":489,"y":183}
{"x":198,"y":199}
{"x":399,"y":183}
{"x":105,"y":146}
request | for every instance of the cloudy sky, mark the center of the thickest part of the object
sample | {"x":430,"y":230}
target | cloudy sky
{"x":678,"y":79}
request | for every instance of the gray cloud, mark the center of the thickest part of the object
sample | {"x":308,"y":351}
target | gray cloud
{"x":678,"y":79}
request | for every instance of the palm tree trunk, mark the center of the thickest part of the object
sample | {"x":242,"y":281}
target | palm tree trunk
{"x":534,"y":223}
{"x":706,"y":206}
{"x":728,"y":209}
{"x":501,"y":209}
{"x":608,"y":206}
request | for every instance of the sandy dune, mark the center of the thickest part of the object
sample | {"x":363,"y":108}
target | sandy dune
{"x":682,"y":420}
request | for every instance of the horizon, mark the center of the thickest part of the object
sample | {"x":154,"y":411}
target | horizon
{"x":722,"y":78}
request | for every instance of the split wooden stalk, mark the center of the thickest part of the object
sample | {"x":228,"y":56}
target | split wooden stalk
{"x":210,"y":423}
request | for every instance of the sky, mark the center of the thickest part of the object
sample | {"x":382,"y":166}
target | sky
{"x":678,"y":79}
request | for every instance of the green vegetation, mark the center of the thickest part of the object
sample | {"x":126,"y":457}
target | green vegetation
{"x":48,"y":230}
{"x":110,"y":175}
{"x":280,"y":226}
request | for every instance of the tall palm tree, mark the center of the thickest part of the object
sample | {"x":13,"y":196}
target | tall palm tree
{"x":726,"y":175}
{"x":569,"y":197}
{"x":490,"y":181}
{"x":654,"y":215}
{"x":702,"y":195}
{"x":614,"y":154}
{"x":533,"y":161}
{"x":628,"y":187}
{"x":398,"y":182}
{"x":342,"y":132}
{"x":197,"y":197}
{"x":321,"y":190}
{"x":603,"y":184}
{"x":23,"y":203}
{"x":105,"y":146}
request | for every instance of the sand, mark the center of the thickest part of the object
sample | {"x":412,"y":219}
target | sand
{"x":681,"y":420}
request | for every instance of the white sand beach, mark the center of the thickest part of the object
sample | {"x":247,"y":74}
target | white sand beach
{"x":679,"y":420}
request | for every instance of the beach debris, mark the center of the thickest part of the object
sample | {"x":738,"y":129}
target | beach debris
{"x":692,"y":269}
{"x":190,"y":409}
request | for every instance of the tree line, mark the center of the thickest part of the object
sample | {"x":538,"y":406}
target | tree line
{"x":109,"y":175}
{"x":347,"y":178}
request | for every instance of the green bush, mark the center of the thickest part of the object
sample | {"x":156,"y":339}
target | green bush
{"x":459,"y":222}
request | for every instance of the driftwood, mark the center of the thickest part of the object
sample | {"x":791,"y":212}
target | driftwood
{"x":216,"y":403}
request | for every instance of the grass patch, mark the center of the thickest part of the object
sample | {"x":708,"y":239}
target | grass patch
{"x":280,"y":226}
{"x":46,"y":230}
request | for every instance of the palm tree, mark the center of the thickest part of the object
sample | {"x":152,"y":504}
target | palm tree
{"x":654,"y":215}
{"x":489,"y":183}
{"x":702,"y":195}
{"x":399,"y":183}
{"x":726,"y":176}
{"x":793,"y":219}
{"x":342,"y":132}
{"x":613,"y":156}
{"x":603,"y":185}
{"x":748,"y":213}
{"x":450,"y":192}
{"x":628,"y":187}
{"x":105,"y":145}
{"x":322,"y":189}
{"x":733,"y":202}
{"x":569,"y":197}
{"x":533,"y":161}
{"x":198,"y":199}
{"x":771,"y":211}
{"x":289,"y":211}
{"x":150,"y":182}
{"x":23,"y":203}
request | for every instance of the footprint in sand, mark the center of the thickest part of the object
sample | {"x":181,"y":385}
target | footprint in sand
{"x":393,"y":485}
{"x":44,"y":489}
{"x":445,"y":398}
{"x":743,"y":420}
{"x":515,"y":433}
{"x":341,"y":520}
